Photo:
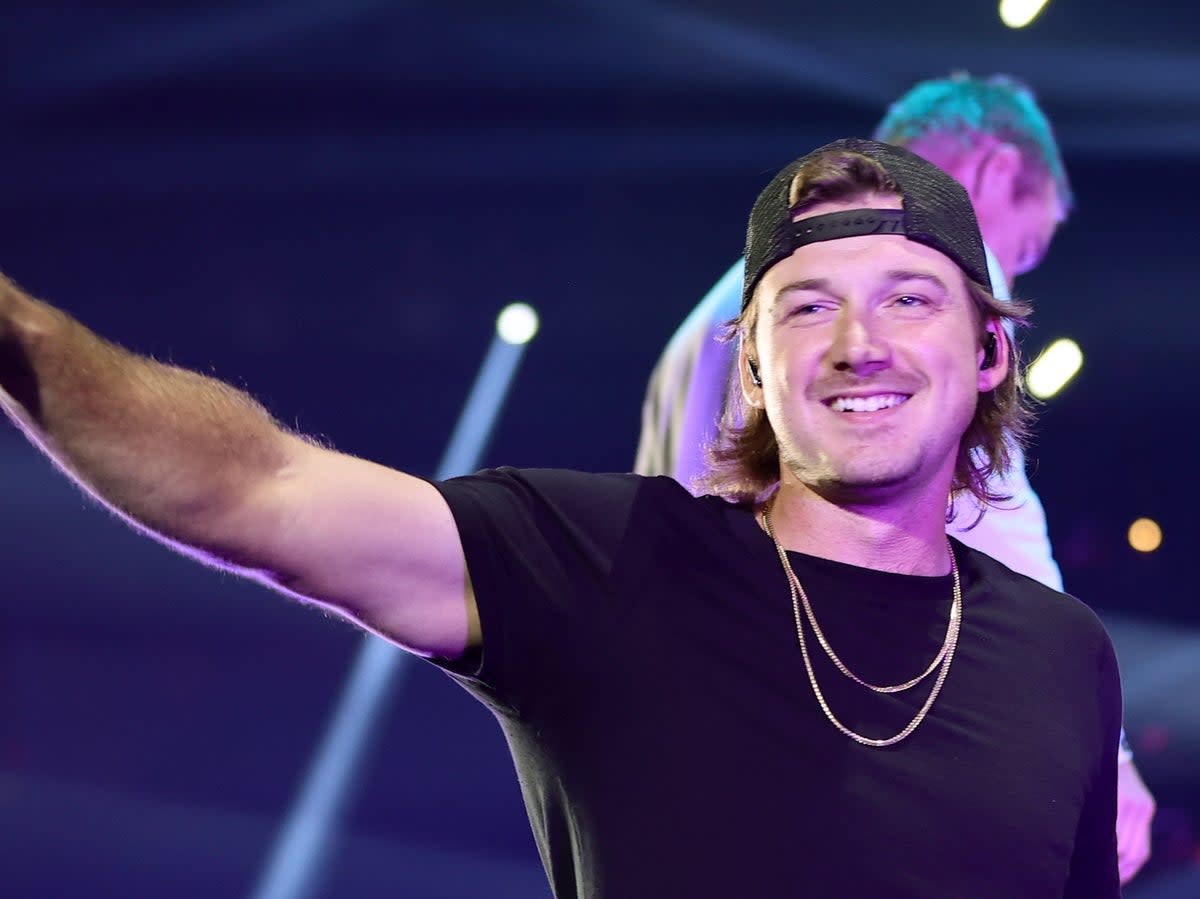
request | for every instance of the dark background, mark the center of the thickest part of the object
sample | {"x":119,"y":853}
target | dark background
{"x":328,"y":202}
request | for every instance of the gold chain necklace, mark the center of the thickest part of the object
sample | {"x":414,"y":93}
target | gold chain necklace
{"x":944,"y":656}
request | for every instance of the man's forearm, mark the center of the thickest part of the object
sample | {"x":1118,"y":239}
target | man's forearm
{"x":168,"y":448}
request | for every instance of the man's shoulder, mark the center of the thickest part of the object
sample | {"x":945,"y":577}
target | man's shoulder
{"x":578,"y":492}
{"x":534,"y":487}
{"x":609,"y":509}
{"x":1030,"y":598}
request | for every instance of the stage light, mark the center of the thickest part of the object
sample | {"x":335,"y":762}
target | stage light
{"x":1050,"y":372}
{"x":1145,"y":535}
{"x":1019,"y":13}
{"x":517,"y":323}
{"x":300,"y":858}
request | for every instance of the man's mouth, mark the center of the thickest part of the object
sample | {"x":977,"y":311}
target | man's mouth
{"x":872,"y":403}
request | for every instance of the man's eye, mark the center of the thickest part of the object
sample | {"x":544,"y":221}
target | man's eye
{"x":802,"y":310}
{"x":910,"y":300}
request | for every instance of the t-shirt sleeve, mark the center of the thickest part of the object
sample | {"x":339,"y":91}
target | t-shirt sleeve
{"x":540,"y":547}
{"x":1093,"y":873}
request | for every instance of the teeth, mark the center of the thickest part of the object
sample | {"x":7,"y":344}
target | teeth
{"x":867,"y":403}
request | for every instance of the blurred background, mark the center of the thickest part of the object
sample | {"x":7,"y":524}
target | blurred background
{"x":329,"y":202}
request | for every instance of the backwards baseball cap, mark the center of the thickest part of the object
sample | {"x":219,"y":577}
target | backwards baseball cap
{"x":936,"y":212}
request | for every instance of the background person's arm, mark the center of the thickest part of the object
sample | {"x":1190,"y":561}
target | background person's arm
{"x":686,"y":393}
{"x":1015,"y":532}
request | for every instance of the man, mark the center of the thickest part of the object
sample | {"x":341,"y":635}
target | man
{"x":639,"y":644}
{"x":990,"y":134}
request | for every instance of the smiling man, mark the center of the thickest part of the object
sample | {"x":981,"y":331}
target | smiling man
{"x":800,"y":686}
{"x":993,"y":138}
{"x":877,"y":379}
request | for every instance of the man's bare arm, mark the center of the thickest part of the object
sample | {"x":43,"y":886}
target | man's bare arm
{"x":205,"y":468}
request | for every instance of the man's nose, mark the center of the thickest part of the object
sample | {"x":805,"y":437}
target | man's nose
{"x":859,"y":346}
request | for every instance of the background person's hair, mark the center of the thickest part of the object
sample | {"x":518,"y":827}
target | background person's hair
{"x":744,"y":458}
{"x":959,"y":110}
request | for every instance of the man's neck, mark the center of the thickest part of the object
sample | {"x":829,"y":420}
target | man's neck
{"x":908,"y":538}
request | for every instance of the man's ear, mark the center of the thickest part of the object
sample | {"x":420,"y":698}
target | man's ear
{"x":749,"y":371}
{"x":996,"y":176}
{"x":993,"y":356}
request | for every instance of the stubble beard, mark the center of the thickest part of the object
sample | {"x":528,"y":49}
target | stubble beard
{"x":856,"y":479}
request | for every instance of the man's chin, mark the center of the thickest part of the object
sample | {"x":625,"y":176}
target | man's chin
{"x":862,"y":485}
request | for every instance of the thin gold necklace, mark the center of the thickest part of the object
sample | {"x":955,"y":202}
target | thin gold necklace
{"x":944,"y":656}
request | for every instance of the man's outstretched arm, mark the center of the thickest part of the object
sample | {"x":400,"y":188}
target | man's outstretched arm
{"x":204,"y":468}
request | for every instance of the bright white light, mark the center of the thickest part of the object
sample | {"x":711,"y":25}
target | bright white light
{"x":1050,"y":372}
{"x":517,"y":323}
{"x":1019,"y":13}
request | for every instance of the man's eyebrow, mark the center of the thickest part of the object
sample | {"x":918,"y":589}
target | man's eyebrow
{"x":893,"y":276}
{"x":803,"y":284}
{"x":897,"y":275}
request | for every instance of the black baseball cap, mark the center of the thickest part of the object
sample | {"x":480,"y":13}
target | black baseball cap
{"x":936,"y":212}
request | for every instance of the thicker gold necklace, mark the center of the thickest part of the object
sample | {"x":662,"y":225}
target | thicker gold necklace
{"x":941,"y":661}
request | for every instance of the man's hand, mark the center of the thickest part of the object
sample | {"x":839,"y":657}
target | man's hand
{"x":1135,"y":811}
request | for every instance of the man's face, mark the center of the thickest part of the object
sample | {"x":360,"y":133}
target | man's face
{"x":869,"y":350}
{"x":1018,"y":230}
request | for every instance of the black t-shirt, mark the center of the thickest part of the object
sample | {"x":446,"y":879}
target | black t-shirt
{"x":640,"y":653}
